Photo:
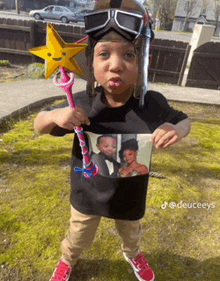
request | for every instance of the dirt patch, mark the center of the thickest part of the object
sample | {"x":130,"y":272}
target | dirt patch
{"x":212,"y":182}
{"x":13,"y":73}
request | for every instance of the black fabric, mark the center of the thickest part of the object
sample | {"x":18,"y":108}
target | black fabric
{"x":118,"y":198}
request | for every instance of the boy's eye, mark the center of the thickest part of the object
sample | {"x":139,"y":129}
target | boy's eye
{"x":130,"y":55}
{"x":104,"y":54}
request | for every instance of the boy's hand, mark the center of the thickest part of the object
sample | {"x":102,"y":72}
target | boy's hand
{"x":68,"y":118}
{"x":166,"y":135}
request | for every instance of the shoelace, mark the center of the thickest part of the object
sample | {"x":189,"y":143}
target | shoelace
{"x":141,"y":263}
{"x":62,"y":269}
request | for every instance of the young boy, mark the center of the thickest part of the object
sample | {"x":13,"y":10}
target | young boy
{"x":107,"y":165}
{"x":112,"y":109}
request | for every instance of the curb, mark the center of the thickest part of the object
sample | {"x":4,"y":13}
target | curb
{"x":25,"y":111}
{"x":22,"y":112}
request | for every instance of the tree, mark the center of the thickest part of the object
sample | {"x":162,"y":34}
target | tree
{"x":217,"y":14}
{"x":166,"y":11}
{"x":189,"y":9}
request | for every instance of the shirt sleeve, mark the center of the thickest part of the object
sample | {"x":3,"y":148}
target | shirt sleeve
{"x":81,"y":100}
{"x":159,"y":110}
{"x":58,"y":131}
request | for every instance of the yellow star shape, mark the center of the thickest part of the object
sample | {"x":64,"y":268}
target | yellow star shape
{"x":57,"y":52}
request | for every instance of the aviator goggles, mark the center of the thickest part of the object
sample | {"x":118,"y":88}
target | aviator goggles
{"x":126,"y":23}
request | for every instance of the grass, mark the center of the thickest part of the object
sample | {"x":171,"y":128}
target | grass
{"x":180,"y":243}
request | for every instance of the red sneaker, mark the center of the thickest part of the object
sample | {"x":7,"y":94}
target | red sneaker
{"x":62,"y":272}
{"x":141,"y":268}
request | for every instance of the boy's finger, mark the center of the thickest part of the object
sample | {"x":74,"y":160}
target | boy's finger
{"x":154,"y":135}
{"x":170,"y":142}
{"x":82,"y":117}
{"x":162,"y":139}
{"x":87,"y":121}
{"x":159,"y":134}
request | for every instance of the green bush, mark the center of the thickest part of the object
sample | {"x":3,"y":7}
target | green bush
{"x":36,"y":70}
{"x":4,"y":62}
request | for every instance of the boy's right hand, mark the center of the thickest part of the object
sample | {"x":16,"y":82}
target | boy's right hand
{"x":68,"y":118}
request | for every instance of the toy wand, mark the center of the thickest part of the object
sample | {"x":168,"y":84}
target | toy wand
{"x":89,"y":168}
{"x":58,"y":53}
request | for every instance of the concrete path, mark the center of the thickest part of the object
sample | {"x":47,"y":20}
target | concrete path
{"x":21,"y":96}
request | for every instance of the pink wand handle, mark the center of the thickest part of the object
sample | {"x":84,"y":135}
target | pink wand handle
{"x":89,"y":168}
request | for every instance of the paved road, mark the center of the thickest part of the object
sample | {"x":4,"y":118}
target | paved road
{"x":25,"y":16}
{"x":178,"y":36}
{"x":169,"y":35}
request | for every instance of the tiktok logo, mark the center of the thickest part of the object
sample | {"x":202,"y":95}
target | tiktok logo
{"x":163,"y":206}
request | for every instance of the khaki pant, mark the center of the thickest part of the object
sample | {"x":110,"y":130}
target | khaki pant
{"x":82,"y":232}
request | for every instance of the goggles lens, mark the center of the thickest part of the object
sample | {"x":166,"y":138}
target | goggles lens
{"x":96,"y":21}
{"x":129,"y":22}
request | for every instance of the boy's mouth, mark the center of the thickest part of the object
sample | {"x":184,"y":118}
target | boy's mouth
{"x":115,"y":82}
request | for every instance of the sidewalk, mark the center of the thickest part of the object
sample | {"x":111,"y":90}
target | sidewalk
{"x":22,"y":96}
{"x":13,"y":12}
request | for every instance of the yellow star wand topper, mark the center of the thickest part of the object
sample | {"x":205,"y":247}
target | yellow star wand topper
{"x":57,"y":53}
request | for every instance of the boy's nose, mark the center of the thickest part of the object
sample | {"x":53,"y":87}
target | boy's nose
{"x":116,"y":64}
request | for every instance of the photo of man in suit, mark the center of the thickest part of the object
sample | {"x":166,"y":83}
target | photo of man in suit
{"x":107,"y":165}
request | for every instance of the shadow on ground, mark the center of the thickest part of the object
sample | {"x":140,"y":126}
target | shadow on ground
{"x":167,"y":266}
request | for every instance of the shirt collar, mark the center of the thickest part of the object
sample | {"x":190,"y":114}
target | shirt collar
{"x":98,"y":105}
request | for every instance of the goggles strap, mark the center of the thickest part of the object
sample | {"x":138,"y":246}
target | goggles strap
{"x":145,"y":65}
{"x":90,"y":83}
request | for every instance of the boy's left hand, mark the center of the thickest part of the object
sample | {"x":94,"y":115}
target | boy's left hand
{"x":165,"y":135}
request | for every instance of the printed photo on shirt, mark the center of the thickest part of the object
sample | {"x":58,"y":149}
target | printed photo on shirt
{"x":121,"y":155}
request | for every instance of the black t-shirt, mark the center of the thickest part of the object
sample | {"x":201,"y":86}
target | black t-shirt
{"x":116,"y":197}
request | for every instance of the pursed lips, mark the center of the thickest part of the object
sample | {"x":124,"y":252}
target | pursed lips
{"x":115,"y":82}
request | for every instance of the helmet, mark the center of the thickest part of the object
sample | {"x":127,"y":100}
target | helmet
{"x":130,"y":20}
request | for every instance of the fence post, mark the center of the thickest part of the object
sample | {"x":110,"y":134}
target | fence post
{"x":32,"y":39}
{"x":201,"y":34}
{"x":188,"y":48}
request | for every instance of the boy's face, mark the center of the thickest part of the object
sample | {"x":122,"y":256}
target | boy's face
{"x":107,"y":146}
{"x":115,"y":66}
